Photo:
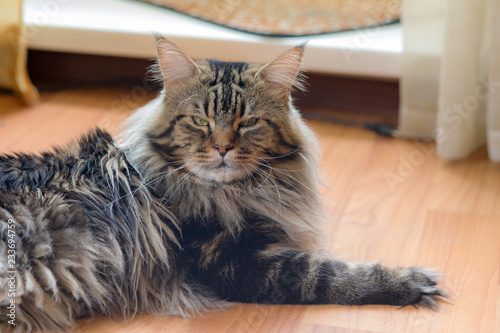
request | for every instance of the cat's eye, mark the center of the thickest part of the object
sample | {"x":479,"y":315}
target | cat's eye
{"x":200,"y":121}
{"x":249,"y":122}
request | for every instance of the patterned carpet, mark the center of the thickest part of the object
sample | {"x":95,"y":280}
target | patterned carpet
{"x":289,"y":17}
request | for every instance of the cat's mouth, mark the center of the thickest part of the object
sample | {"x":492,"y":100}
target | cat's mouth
{"x":222,"y":172}
{"x":223,"y":164}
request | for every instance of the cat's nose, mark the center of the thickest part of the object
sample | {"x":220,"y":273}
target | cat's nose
{"x":223,"y":149}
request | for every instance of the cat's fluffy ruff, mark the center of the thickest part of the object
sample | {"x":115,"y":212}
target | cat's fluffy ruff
{"x":295,"y":208}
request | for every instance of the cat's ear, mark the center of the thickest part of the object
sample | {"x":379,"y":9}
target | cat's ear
{"x":283,"y":73}
{"x":175,"y":66}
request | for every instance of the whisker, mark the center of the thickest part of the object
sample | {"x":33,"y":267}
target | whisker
{"x":273,"y":184}
{"x":183,"y":102}
{"x":284,"y":155}
{"x":267,"y":164}
{"x":178,"y":183}
{"x":259,"y":186}
{"x":285,"y":173}
{"x":147,"y":181}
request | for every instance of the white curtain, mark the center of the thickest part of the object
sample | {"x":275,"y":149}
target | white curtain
{"x":450,"y":84}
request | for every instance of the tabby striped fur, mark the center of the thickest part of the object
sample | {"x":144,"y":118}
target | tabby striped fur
{"x":210,"y":196}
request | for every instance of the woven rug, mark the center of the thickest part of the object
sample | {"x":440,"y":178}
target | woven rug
{"x":289,"y":17}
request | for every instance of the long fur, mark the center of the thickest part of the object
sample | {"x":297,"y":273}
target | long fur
{"x":68,"y":262}
{"x":210,"y":197}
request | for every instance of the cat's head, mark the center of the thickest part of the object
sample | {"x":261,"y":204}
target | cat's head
{"x":224,"y":121}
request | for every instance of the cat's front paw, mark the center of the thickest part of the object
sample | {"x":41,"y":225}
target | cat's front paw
{"x":417,"y":287}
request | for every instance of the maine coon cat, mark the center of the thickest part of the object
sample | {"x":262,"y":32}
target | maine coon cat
{"x":209,"y":198}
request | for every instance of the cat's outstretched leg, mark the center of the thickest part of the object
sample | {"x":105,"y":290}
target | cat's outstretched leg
{"x":279,"y":275}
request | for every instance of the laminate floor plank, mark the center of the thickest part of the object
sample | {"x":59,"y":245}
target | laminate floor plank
{"x":387,"y":200}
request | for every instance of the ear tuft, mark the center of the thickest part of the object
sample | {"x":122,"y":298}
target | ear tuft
{"x":284,"y":71}
{"x":174,"y":65}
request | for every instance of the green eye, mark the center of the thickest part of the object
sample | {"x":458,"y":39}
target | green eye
{"x":200,"y":122}
{"x":249,"y":122}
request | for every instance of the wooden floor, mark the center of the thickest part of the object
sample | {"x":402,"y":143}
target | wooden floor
{"x":387,"y":200}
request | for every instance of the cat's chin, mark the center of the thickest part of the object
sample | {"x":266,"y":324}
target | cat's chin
{"x":223,"y":174}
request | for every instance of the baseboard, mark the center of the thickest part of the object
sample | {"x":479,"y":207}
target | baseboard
{"x":362,"y":100}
